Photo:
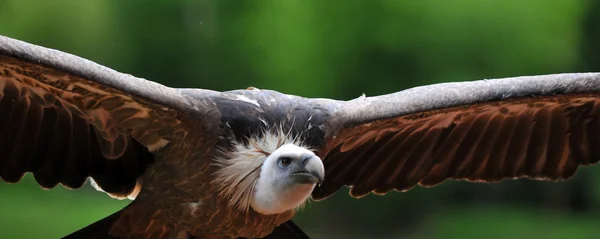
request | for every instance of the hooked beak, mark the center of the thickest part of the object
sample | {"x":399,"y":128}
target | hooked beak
{"x":304,"y":177}
{"x":311,"y":171}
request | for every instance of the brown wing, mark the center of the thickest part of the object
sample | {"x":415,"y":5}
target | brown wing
{"x":65,"y":119}
{"x":540,"y":127}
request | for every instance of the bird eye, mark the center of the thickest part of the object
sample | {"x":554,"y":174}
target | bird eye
{"x":284,"y":162}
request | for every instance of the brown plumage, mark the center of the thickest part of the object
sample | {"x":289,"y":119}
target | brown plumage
{"x":540,"y":137}
{"x":191,"y":159}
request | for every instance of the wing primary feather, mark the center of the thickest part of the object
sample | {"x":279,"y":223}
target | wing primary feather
{"x":9,"y":98}
{"x":339,"y":179}
{"x":50,"y":119}
{"x":110,"y":175}
{"x":366,"y":173}
{"x":496,"y":168}
{"x":329,"y":186}
{"x":97,"y":162}
{"x":398,"y":161}
{"x":385,"y":158}
{"x":404,"y":180}
{"x":24,"y":141}
{"x":338,"y":164}
{"x":517,"y":150}
{"x":423,"y":153}
{"x":353,"y":173}
{"x":593,"y":136}
{"x":434,"y":175}
{"x":51,"y":171}
{"x":49,"y":99}
{"x":77,"y":163}
{"x":353,"y":163}
{"x":481,"y":154}
{"x":9,"y":138}
{"x":556,"y":149}
{"x":579,"y":117}
{"x":541,"y":137}
{"x":464,"y":153}
{"x":536,"y":150}
{"x":446,"y":153}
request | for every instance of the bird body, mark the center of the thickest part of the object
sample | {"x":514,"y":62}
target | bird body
{"x":195,"y":184}
{"x":206,"y":164}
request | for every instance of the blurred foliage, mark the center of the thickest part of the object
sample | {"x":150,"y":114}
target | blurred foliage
{"x":337,"y":49}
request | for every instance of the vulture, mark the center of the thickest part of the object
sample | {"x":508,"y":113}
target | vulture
{"x":198,"y":163}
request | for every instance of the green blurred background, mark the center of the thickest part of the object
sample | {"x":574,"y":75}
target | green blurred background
{"x":337,"y":49}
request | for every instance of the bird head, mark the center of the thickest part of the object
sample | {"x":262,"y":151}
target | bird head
{"x":286,"y":180}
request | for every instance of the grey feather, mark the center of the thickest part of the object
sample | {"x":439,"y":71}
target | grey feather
{"x":444,"y":95}
{"x":158,"y":93}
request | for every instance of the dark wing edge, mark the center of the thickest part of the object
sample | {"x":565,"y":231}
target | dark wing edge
{"x":64,"y":119}
{"x":539,"y":127}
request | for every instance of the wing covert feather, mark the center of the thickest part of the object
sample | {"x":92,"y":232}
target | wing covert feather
{"x":539,"y":127}
{"x":64,"y":119}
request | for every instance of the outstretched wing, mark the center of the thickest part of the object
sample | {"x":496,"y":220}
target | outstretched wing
{"x":65,"y":119}
{"x":540,"y":127}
